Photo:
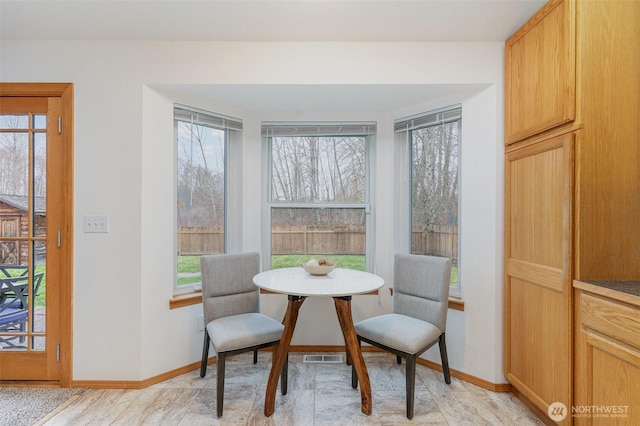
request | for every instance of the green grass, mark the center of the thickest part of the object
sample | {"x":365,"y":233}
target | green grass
{"x":189,"y":280}
{"x":190,"y":265}
{"x":188,"y":270}
{"x":343,"y":261}
{"x":454,"y":276}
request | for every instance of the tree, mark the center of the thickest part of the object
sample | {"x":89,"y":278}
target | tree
{"x":200,"y":175}
{"x":14,"y":165}
{"x":318,"y":168}
{"x":15,"y":148}
{"x":435,"y":175}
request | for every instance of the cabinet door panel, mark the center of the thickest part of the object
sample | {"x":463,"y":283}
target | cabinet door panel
{"x":540,"y":75}
{"x":538,"y":220}
{"x":609,"y":210}
{"x":609,"y":382}
{"x":616,"y":386}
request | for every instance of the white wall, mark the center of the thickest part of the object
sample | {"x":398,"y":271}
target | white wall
{"x":123,"y":328}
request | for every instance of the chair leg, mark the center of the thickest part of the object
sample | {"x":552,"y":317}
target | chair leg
{"x":444,"y":358}
{"x":255,"y":356}
{"x":411,"y":383}
{"x":205,"y":354}
{"x":220,"y":383}
{"x":22,"y":329}
{"x":284,"y":376}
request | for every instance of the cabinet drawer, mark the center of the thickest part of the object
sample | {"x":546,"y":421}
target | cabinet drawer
{"x":610,"y":318}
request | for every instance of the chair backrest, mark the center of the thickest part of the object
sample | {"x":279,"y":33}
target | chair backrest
{"x":227,"y":285}
{"x":421,"y":287}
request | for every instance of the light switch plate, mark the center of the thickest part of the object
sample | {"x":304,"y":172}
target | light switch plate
{"x":96,"y":223}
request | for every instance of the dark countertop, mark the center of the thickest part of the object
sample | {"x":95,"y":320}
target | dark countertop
{"x":627,"y":287}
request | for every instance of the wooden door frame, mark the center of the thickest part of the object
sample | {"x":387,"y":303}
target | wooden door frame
{"x":65,"y":92}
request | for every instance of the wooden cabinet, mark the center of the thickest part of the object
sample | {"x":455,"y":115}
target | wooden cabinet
{"x":607,"y":357}
{"x":572,"y":181}
{"x":608,"y":173}
{"x":540,"y":76}
{"x":538,"y":200}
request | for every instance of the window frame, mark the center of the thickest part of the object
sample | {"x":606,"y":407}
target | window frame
{"x":423,"y":120}
{"x":366,"y":204}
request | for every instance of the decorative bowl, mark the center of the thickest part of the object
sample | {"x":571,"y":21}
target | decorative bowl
{"x":318,"y":270}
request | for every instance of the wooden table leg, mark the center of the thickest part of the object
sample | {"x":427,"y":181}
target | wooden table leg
{"x":343,"y":309}
{"x":289,"y":321}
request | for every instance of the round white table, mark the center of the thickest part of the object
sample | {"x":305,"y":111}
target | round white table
{"x":298,"y":284}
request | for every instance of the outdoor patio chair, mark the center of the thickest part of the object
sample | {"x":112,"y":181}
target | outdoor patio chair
{"x":234,"y":324}
{"x":14,"y":312}
{"x":9,"y":271}
{"x":418,"y":318}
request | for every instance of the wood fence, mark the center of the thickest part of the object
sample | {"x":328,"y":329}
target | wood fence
{"x":318,"y":240}
{"x":435,"y":240}
{"x":439,"y":241}
{"x":194,"y":241}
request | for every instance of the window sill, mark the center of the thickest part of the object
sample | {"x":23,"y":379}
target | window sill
{"x":456,"y":303}
{"x":187,"y":299}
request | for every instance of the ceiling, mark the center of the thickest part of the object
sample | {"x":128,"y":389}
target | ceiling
{"x":282,"y":21}
{"x":264,"y":20}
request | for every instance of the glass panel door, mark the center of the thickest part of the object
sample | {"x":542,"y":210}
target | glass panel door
{"x":28,"y":127}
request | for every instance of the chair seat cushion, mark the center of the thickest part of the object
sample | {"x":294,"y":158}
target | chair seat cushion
{"x":11,"y":316}
{"x":242,"y":331}
{"x":400,"y":332}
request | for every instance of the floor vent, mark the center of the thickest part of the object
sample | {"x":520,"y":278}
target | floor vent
{"x":322,"y":359}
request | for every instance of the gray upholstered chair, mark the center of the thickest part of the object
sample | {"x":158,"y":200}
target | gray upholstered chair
{"x":418,"y":318}
{"x":234,"y":324}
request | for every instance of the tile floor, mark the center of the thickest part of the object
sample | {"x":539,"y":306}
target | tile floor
{"x":318,"y":394}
